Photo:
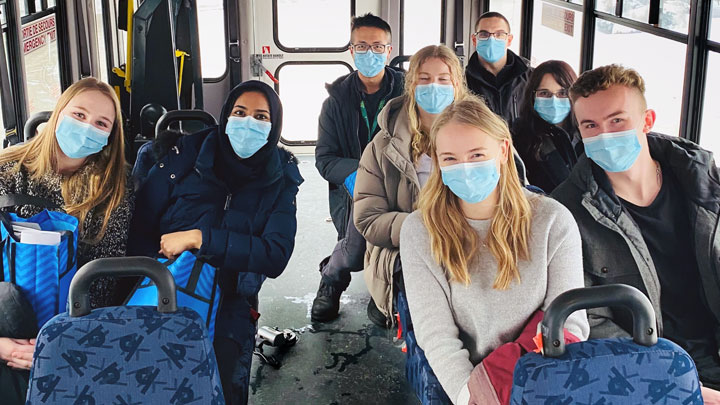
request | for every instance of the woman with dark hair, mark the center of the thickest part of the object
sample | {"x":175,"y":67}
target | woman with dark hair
{"x":545,"y":135}
{"x":227,"y":193}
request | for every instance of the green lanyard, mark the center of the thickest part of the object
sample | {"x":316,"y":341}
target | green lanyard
{"x":363,"y":110}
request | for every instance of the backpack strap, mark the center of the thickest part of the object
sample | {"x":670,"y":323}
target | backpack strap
{"x":14,"y":199}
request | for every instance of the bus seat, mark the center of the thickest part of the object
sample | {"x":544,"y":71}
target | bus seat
{"x":189,"y":121}
{"x":186,"y":117}
{"x":397,"y":62}
{"x":150,"y":114}
{"x":417,"y":369}
{"x":32,"y":124}
{"x":143,"y":152}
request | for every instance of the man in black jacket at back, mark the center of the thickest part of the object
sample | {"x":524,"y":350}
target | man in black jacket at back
{"x":494,"y":72}
{"x":348,"y":122}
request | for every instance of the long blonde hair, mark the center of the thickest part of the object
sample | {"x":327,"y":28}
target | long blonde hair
{"x":104,"y":186}
{"x":420,"y":141}
{"x":453,"y":241}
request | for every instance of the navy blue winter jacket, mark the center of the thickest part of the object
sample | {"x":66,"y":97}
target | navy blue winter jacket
{"x":247,"y":212}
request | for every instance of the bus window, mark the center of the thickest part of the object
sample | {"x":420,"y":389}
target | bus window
{"x":675,"y":15}
{"x":100,"y":32}
{"x":312,"y":24}
{"x":422,"y":24}
{"x":715,"y":22}
{"x":709,"y":137}
{"x":302,"y":91}
{"x":512,"y":10}
{"x":606,"y":6}
{"x":645,"y":52}
{"x":638,"y":10}
{"x":557,"y":34}
{"x":42,"y":66}
{"x":117,"y":36}
{"x":212,"y":38}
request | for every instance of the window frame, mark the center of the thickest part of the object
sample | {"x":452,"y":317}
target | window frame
{"x":226,"y":34}
{"x":443,"y":26}
{"x":309,"y":63}
{"x":276,"y":36}
{"x":697,"y":42}
{"x":529,"y":19}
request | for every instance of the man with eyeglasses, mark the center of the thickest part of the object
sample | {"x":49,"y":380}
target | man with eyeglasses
{"x":494,"y":72}
{"x":348,"y":122}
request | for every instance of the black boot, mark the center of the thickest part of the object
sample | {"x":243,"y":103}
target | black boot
{"x":377,"y":317}
{"x":326,"y":305}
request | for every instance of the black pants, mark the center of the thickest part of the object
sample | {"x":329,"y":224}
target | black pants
{"x":17,"y":320}
{"x":234,"y":358}
{"x":13,"y":385}
{"x":708,"y":368}
{"x":347,"y":257}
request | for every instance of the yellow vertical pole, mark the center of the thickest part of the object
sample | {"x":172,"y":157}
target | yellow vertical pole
{"x":128,"y":58}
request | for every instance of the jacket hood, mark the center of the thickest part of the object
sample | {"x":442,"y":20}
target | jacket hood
{"x":692,"y":166}
{"x":395,"y":131}
{"x":389,"y":116}
{"x":519,"y":65}
{"x":227,"y":164}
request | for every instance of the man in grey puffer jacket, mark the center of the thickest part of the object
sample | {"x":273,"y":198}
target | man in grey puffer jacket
{"x":648,"y":209}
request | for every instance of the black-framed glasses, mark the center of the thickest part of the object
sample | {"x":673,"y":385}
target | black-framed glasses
{"x":363,"y":48}
{"x":545,"y":93}
{"x":485,"y":35}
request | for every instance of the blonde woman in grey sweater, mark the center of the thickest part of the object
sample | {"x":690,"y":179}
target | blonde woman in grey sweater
{"x":481,"y":254}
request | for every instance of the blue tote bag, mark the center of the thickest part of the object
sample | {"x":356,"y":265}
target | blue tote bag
{"x":197,"y":288}
{"x":42,"y":272}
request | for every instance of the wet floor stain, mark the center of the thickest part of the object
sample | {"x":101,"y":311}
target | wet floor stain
{"x":347,"y":361}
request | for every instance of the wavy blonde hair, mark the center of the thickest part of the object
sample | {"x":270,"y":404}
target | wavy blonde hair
{"x":453,"y":241}
{"x":420,"y":141}
{"x":104,"y":185}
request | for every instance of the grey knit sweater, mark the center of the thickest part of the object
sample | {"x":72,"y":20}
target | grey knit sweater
{"x":113,"y":243}
{"x":457,"y":326}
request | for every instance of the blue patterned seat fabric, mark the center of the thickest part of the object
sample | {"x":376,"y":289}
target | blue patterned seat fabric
{"x":417,"y":369}
{"x":608,"y":371}
{"x":125,"y":356}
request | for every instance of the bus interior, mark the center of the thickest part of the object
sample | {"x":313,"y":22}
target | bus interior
{"x":186,"y":55}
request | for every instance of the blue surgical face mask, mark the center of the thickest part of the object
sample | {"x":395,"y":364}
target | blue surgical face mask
{"x":491,"y":49}
{"x":553,"y":110}
{"x":434,"y":97}
{"x":370,"y":64}
{"x":79,"y":139}
{"x":247,"y":135}
{"x":614,"y":151}
{"x":472,"y":182}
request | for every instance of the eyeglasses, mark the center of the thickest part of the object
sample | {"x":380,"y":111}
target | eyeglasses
{"x":545,"y":93}
{"x":485,"y":35}
{"x":363,"y":48}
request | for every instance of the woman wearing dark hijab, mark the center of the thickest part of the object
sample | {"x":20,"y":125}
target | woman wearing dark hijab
{"x":229,"y":194}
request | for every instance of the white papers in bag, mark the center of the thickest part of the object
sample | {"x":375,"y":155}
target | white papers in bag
{"x":31,"y":225}
{"x":28,"y":232}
